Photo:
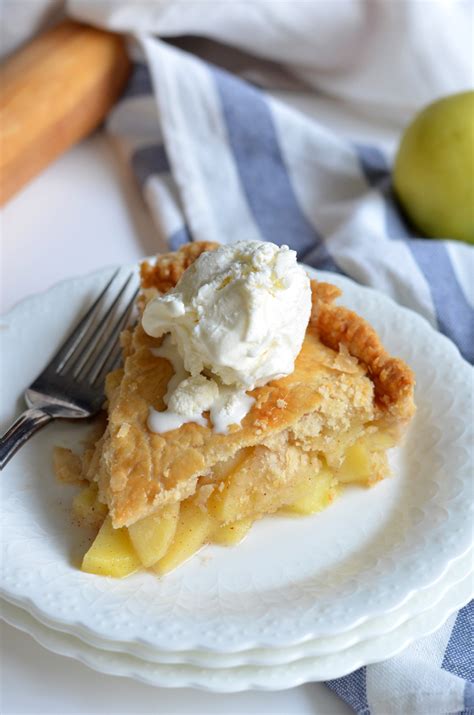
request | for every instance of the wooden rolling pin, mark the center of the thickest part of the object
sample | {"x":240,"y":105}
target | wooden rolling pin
{"x":53,"y":92}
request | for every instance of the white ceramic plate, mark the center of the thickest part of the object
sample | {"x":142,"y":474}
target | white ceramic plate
{"x":292,"y":579}
{"x":423,"y":600}
{"x":231,"y":680}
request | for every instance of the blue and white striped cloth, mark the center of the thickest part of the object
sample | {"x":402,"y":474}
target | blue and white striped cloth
{"x":218,"y":159}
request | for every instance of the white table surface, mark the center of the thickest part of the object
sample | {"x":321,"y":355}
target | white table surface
{"x":84,"y":212}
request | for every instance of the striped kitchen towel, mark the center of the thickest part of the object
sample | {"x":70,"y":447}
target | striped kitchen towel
{"x":218,"y":159}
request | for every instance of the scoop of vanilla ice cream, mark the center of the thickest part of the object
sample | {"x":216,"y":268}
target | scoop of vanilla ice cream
{"x":240,"y":312}
{"x":194,"y":395}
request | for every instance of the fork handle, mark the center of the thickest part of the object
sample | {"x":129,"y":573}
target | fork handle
{"x":20,"y":432}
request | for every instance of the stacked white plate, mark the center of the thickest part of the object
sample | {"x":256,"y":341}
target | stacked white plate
{"x":300,"y":599}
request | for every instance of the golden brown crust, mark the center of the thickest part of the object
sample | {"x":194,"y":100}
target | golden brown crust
{"x":336,"y":325}
{"x":67,"y":466}
{"x":169,"y":267}
{"x":323,"y":294}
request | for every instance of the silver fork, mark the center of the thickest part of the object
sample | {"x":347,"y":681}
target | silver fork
{"x":71,"y":385}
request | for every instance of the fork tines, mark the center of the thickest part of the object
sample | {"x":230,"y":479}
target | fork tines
{"x":93,"y":349}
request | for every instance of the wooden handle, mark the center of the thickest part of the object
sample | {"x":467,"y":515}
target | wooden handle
{"x":53,"y":93}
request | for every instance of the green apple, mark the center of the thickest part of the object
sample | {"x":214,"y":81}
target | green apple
{"x":434,"y":169}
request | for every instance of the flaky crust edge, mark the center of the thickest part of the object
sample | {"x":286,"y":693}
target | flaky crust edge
{"x":394,"y":381}
{"x":168,"y":268}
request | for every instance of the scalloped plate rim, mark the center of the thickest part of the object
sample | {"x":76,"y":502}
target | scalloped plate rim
{"x":68,"y":646}
{"x":279,"y":656}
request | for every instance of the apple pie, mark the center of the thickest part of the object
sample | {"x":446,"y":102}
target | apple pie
{"x":158,"y":498}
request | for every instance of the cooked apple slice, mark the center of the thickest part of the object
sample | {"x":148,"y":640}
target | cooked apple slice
{"x":357,"y":465}
{"x":315,"y":495}
{"x":193,"y":530}
{"x":152,"y":536}
{"x":230,"y":534}
{"x":111,"y":553}
{"x":376,"y":441}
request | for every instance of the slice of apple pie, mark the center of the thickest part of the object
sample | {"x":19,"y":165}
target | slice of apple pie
{"x":158,"y":497}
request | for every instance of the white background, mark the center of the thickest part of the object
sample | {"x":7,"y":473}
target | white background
{"x":85,"y":212}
